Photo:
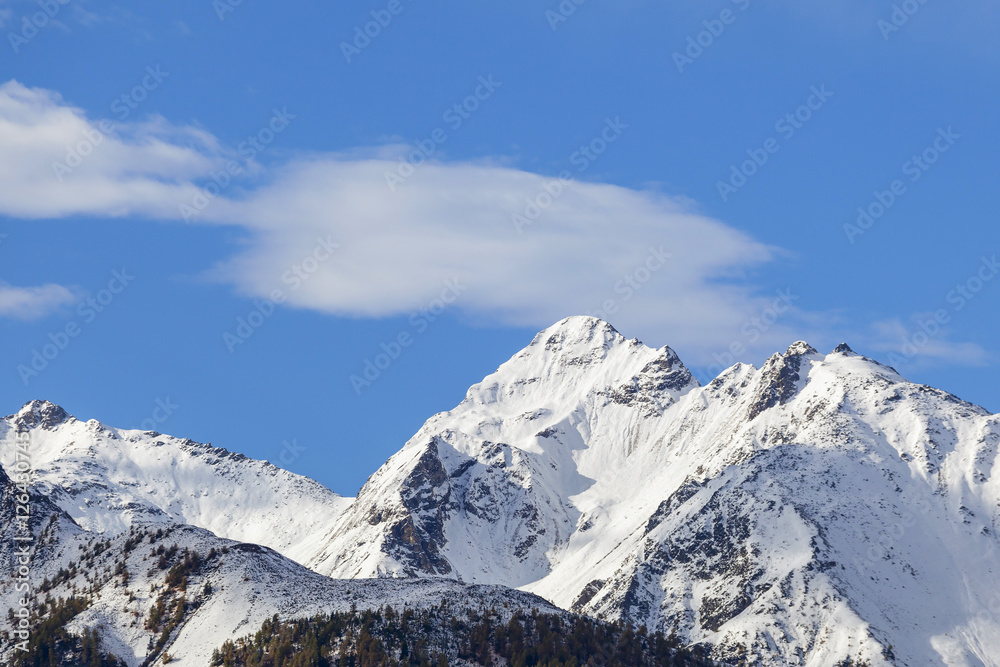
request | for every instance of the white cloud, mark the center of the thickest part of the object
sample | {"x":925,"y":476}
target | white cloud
{"x":138,"y":168}
{"x":923,"y":342}
{"x":29,"y":303}
{"x":397,"y":248}
{"x":454,"y":221}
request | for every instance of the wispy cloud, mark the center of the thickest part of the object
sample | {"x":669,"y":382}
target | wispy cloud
{"x":30,"y":303}
{"x":924,"y":342}
{"x":589,"y":247}
{"x":136,"y":168}
{"x":650,"y":263}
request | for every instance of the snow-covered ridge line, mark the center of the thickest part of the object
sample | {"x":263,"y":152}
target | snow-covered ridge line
{"x":106,"y":479}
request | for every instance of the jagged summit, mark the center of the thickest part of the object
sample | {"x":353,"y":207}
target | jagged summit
{"x":582,"y":323}
{"x":781,"y":377}
{"x":40,"y":413}
{"x":575,"y":355}
{"x":800,"y":348}
{"x":577,"y":331}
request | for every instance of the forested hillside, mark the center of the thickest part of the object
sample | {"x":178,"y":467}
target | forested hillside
{"x":441,"y":636}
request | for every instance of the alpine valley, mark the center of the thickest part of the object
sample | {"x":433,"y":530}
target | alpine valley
{"x":821,"y":510}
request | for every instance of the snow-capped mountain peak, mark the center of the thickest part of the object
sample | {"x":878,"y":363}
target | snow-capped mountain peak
{"x":42,"y":414}
{"x":596,"y":472}
{"x":578,"y":354}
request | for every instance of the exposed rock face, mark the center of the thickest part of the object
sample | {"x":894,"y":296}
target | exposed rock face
{"x":426,"y":496}
{"x":780,"y":378}
{"x":39,"y":414}
{"x":654,"y":388}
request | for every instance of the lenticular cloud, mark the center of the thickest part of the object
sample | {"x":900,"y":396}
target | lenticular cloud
{"x":531,"y":248}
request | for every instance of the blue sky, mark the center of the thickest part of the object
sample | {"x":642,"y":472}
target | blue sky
{"x":233,"y":208}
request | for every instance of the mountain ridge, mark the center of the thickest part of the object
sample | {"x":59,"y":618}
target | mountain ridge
{"x":798,"y":513}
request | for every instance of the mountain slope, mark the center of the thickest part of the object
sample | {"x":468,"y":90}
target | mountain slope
{"x":495,"y":478}
{"x":162,"y":589}
{"x":801,"y":513}
{"x":106,"y":479}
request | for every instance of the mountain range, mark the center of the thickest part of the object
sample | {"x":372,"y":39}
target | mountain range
{"x":819,"y":509}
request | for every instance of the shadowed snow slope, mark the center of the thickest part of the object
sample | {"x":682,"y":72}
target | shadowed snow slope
{"x":223,"y":593}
